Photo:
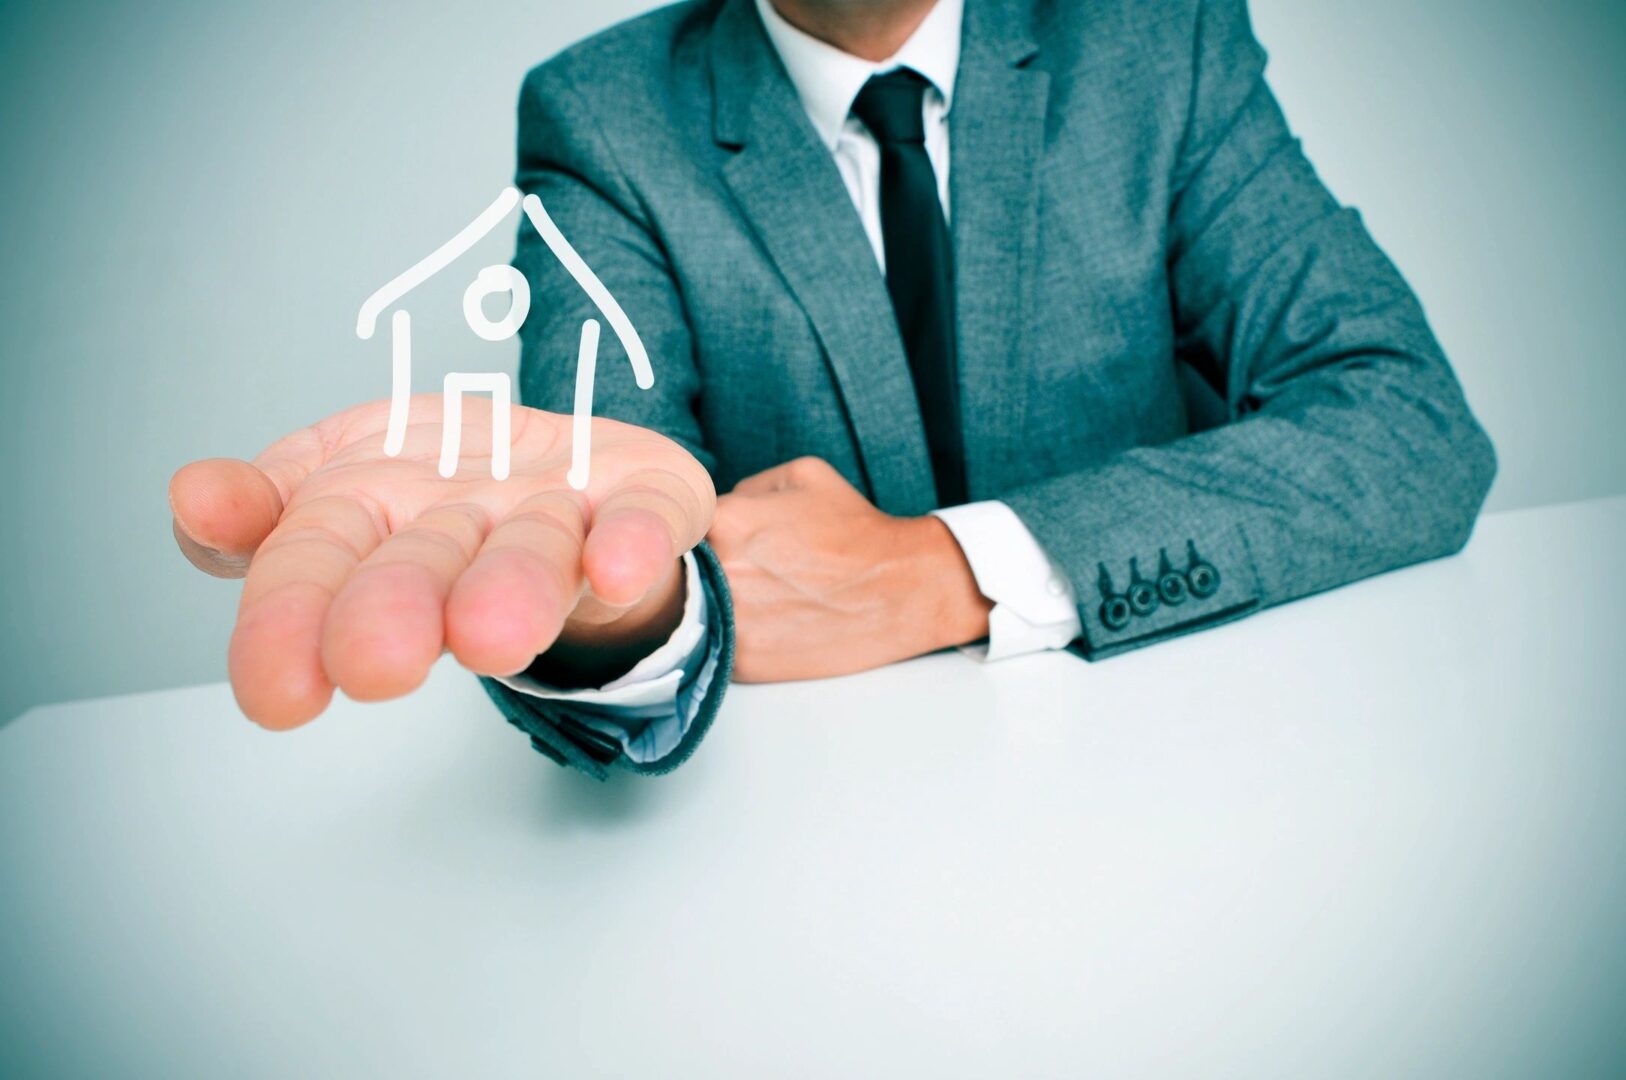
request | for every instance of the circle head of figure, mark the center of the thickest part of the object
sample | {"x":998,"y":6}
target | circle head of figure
{"x":492,"y":280}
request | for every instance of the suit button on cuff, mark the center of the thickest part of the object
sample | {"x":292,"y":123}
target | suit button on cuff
{"x":1172,"y":588}
{"x":1204,"y":581}
{"x":1201,"y":577}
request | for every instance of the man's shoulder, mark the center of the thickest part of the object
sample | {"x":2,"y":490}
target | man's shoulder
{"x":643,"y":53}
{"x":1073,"y":29}
{"x":654,"y":52}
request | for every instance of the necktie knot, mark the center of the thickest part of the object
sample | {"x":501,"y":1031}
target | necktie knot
{"x":890,"y":106}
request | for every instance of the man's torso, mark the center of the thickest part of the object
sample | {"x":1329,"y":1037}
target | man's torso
{"x":1065,"y":133}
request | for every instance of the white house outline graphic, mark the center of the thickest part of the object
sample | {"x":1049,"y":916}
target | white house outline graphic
{"x":490,"y":280}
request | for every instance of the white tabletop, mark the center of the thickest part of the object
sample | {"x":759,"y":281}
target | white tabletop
{"x":1381,"y":832}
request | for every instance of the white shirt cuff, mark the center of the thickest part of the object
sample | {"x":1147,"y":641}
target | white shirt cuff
{"x":1034,"y":605}
{"x":654,"y":680}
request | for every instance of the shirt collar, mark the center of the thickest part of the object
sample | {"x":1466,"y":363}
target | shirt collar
{"x":828,"y":80}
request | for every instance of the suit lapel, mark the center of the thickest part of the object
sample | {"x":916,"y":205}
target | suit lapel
{"x":790,"y":193}
{"x":996,"y":139}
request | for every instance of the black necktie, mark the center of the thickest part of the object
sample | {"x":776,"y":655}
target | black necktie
{"x":919,"y":266}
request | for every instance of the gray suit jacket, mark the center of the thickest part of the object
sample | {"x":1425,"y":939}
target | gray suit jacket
{"x":1175,"y":345}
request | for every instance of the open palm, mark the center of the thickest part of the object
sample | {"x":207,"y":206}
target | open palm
{"x":362,"y":569}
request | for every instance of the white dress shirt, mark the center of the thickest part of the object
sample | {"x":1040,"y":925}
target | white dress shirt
{"x":1034,"y":605}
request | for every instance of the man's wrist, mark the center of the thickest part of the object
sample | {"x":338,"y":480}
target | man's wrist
{"x":594,"y":650}
{"x":1034,"y":604}
{"x":943,"y":600}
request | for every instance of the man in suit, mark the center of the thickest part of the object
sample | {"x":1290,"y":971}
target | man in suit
{"x":1004,"y":324}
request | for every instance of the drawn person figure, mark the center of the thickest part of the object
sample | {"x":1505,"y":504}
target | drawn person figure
{"x":1006,"y":322}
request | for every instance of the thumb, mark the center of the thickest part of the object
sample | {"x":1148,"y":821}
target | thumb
{"x":223,"y":509}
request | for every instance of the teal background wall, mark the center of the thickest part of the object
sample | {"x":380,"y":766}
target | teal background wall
{"x":197,"y":197}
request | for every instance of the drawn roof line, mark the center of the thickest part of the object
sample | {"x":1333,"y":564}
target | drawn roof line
{"x":471,"y":234}
{"x":577,"y":267}
{"x":433,"y":263}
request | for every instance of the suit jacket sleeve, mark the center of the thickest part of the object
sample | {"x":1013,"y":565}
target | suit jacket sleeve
{"x":564,"y":159}
{"x":1350,"y":450}
{"x":557,"y":731}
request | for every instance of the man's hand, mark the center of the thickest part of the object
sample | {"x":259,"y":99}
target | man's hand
{"x":362,"y":569}
{"x":826,"y":584}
